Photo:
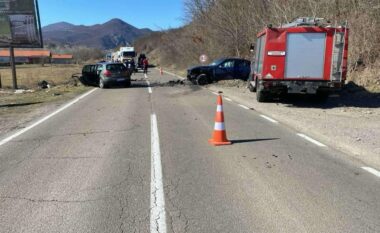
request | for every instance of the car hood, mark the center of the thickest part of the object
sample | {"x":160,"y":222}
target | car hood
{"x":200,"y":68}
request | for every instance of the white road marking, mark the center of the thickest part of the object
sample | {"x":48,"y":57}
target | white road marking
{"x":228,"y":99}
{"x":215,"y":93}
{"x":157,"y":199}
{"x":149,"y":88}
{"x":243,"y":106}
{"x":269,"y":119}
{"x":311,"y":140}
{"x":172,"y":74}
{"x":372,"y":170}
{"x":2,"y":142}
{"x":146,"y":76}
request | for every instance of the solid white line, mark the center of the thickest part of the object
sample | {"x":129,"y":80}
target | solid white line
{"x":243,"y":106}
{"x":269,"y":119}
{"x":372,"y":170}
{"x":2,"y":142}
{"x":311,"y":140}
{"x":228,"y":99}
{"x":157,"y":199}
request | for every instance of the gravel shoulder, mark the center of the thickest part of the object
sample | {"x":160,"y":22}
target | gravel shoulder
{"x":349,"y":121}
{"x":18,"y":110}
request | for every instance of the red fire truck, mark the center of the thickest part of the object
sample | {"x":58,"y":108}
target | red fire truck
{"x":306,"y":56}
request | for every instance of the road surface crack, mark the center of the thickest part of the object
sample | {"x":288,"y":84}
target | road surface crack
{"x":49,"y":200}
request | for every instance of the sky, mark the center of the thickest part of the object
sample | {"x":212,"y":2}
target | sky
{"x":153,"y":14}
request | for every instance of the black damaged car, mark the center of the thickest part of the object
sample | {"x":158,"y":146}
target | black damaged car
{"x":221,"y":69}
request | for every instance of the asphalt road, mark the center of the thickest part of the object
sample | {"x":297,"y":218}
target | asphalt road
{"x":137,"y":160}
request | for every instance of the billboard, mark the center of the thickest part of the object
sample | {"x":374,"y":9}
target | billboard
{"x":20,"y":24}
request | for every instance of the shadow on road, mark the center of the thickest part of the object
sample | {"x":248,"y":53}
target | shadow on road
{"x":252,"y":140}
{"x":352,"y":95}
{"x":18,"y":105}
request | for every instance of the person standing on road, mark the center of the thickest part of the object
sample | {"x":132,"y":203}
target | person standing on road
{"x":145,"y":64}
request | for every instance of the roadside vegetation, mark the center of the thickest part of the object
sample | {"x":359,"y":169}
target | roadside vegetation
{"x":227,"y":28}
{"x":81,"y":54}
{"x":29,"y":75}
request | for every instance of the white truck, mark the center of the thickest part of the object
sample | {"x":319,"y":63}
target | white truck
{"x":126,"y":54}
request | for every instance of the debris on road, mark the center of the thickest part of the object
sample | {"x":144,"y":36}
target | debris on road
{"x":43,"y":84}
{"x":231,"y":83}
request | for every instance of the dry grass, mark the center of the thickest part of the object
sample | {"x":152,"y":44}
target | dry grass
{"x":29,"y":75}
{"x":16,"y":107}
{"x":368,"y":77}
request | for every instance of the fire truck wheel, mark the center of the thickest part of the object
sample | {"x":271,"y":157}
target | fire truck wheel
{"x":251,"y":87}
{"x":261,"y":96}
{"x":322,"y":96}
{"x":202,"y":79}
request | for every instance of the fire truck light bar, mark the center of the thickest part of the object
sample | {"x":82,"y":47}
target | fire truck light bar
{"x":276,"y":53}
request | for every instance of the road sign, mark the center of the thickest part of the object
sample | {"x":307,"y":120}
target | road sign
{"x":203,"y":58}
{"x":20,"y":24}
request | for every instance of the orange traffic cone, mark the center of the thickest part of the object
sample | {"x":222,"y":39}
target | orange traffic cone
{"x":219,"y":137}
{"x":161,"y":71}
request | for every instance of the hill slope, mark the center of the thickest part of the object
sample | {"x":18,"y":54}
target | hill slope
{"x":103,"y":36}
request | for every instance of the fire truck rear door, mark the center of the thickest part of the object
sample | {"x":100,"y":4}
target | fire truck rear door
{"x":305,"y":55}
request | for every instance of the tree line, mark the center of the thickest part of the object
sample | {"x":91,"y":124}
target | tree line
{"x":222,"y":28}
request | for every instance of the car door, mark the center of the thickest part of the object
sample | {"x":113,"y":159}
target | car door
{"x":99,"y":69}
{"x":86,"y":73}
{"x":225,"y":70}
{"x":242,"y":69}
{"x":94,"y":78}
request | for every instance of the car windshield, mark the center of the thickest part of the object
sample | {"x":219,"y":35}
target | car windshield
{"x":129,"y":54}
{"x":216,"y":62}
{"x":116,"y":67}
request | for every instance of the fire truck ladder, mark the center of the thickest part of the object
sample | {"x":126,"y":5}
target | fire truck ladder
{"x":338,"y":55}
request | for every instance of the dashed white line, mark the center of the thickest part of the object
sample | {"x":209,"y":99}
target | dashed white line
{"x":228,"y":99}
{"x":2,"y":142}
{"x":269,"y":119}
{"x":157,"y":199}
{"x":149,"y":88}
{"x":243,"y":106}
{"x":311,"y":140}
{"x":372,"y":171}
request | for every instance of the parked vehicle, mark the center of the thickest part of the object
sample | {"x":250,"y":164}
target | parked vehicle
{"x":126,"y":53}
{"x":113,"y":74}
{"x":106,"y":74}
{"x":130,"y":64}
{"x":221,"y":69}
{"x":306,"y":56}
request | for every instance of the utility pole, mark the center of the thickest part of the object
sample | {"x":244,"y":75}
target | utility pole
{"x":13,"y":66}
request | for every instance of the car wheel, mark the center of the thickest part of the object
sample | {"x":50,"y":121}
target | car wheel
{"x":128,"y":84}
{"x":202,"y":79}
{"x":101,"y":84}
{"x":261,"y":96}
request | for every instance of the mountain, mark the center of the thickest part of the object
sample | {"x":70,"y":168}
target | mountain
{"x":109,"y":35}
